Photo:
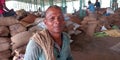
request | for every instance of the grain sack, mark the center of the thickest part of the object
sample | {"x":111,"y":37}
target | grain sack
{"x":20,"y":50}
{"x":7,"y":21}
{"x":20,"y":39}
{"x":35,"y":29}
{"x":91,"y":28}
{"x":21,"y":13}
{"x":18,"y":57}
{"x":5,"y":54}
{"x":30,"y":18}
{"x":16,"y":28}
{"x":75,"y":19}
{"x":38,"y":20}
{"x":105,"y":22}
{"x":4,"y":59}
{"x":19,"y":53}
{"x":102,"y":11}
{"x":4,"y":40}
{"x":4,"y":31}
{"x":4,"y":46}
{"x":86,"y":21}
{"x":89,"y":18}
{"x":25,"y":24}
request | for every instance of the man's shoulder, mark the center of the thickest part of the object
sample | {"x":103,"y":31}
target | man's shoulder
{"x":66,"y":36}
{"x":64,"y":33}
{"x":41,"y":32}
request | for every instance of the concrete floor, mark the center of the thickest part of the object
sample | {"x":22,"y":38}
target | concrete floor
{"x":96,"y":49}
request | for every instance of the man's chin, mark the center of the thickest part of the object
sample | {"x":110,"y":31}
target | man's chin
{"x":57,"y":31}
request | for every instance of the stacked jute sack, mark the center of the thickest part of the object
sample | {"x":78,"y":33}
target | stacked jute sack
{"x":15,"y":34}
{"x":21,"y":33}
{"x":113,"y":19}
{"x":94,"y":23}
{"x":72,"y":24}
{"x":89,"y":24}
{"x":5,"y":52}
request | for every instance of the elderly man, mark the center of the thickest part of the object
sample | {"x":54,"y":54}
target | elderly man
{"x":51,"y":43}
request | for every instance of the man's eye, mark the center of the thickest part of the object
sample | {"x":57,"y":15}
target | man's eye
{"x":51,"y":19}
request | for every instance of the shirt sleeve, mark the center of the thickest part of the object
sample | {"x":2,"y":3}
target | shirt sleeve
{"x":89,"y":6}
{"x":32,"y":51}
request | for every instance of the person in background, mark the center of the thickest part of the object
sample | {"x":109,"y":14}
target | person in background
{"x":51,"y":43}
{"x":97,"y":5}
{"x":3,"y":7}
{"x":91,"y":8}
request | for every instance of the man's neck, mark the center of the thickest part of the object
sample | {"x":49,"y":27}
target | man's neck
{"x":57,"y":38}
{"x":56,"y":35}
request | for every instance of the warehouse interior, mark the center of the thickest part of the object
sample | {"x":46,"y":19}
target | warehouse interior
{"x":92,"y":36}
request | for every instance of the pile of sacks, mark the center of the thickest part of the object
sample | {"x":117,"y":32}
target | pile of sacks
{"x":113,"y":17}
{"x":89,"y":24}
{"x":21,"y":14}
{"x":14,"y":35}
{"x":96,"y":23}
{"x":72,"y":24}
{"x":5,"y":40}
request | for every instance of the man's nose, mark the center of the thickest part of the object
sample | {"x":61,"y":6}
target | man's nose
{"x":57,"y":21}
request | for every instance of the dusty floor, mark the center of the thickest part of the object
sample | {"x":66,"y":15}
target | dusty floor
{"x":86,"y":48}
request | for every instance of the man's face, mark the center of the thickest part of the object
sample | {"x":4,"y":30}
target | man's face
{"x":54,"y":20}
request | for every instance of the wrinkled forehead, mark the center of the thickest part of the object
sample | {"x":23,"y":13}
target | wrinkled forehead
{"x":53,"y":11}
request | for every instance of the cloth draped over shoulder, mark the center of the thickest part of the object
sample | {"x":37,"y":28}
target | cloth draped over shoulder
{"x":46,"y":42}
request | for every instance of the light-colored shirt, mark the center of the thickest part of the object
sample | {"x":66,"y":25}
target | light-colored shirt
{"x":1,"y":6}
{"x":35,"y":52}
{"x":91,"y":8}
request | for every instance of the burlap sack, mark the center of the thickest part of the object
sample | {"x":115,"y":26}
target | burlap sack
{"x":21,"y":13}
{"x":19,"y":53}
{"x":25,"y":24}
{"x":86,"y":21}
{"x":105,"y":22}
{"x":89,"y":18}
{"x":91,"y":28}
{"x":4,"y":55}
{"x":30,"y":18}
{"x":35,"y":29}
{"x":38,"y":20}
{"x":20,"y":50}
{"x":102,"y":11}
{"x":7,"y":21}
{"x":4,"y":59}
{"x":20,"y":39}
{"x":75,"y":19}
{"x":4,"y":40}
{"x":4,"y":31}
{"x":4,"y":46}
{"x":16,"y":28}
